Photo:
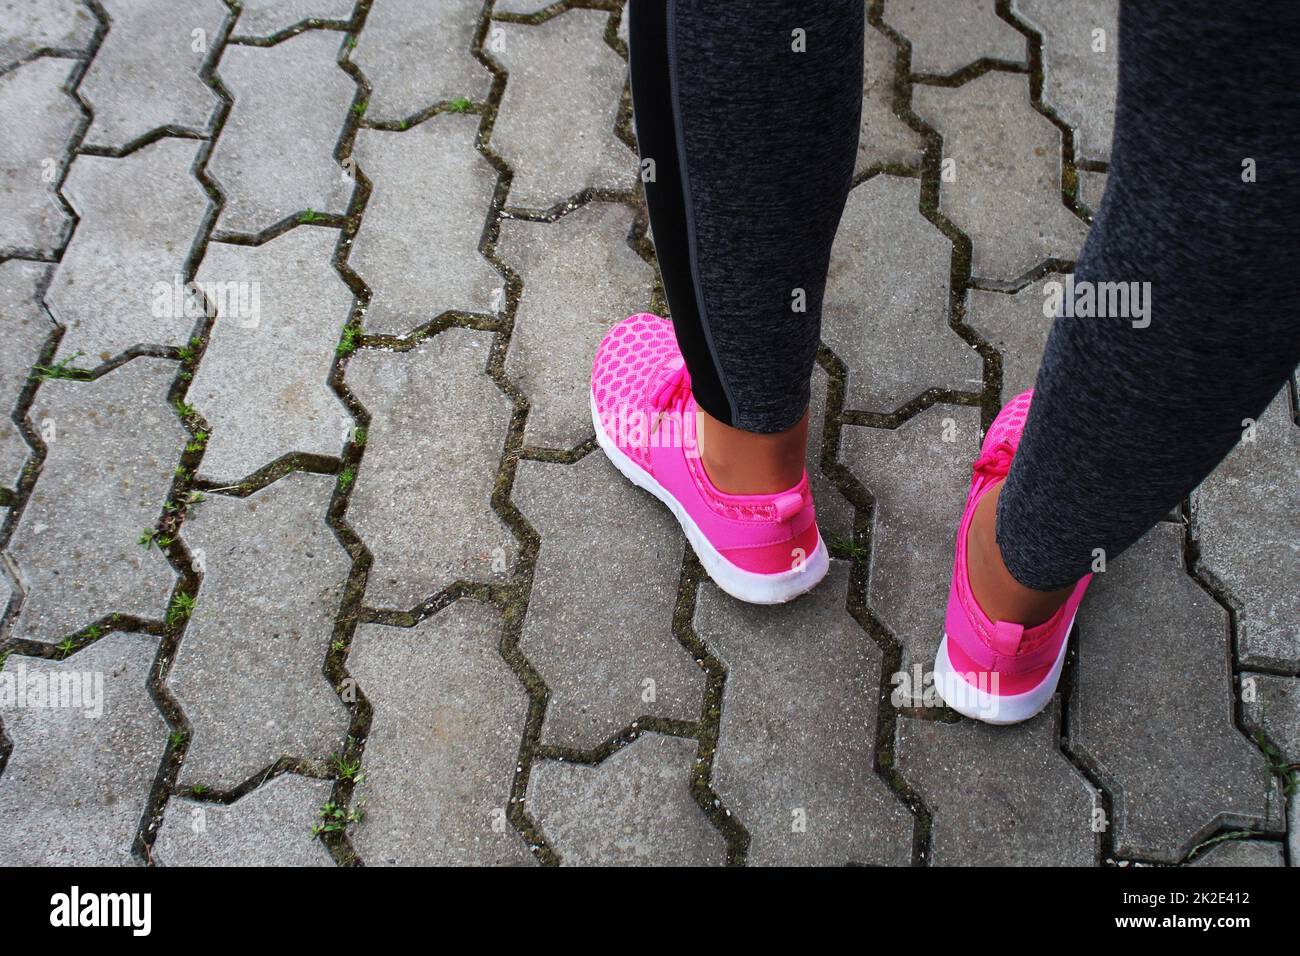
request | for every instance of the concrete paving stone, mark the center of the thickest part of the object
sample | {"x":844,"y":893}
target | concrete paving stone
{"x":796,"y":751}
{"x":75,"y":786}
{"x":1006,"y":194}
{"x":44,"y":118}
{"x":263,"y":383}
{"x":886,"y":307}
{"x":1014,"y":324}
{"x":834,"y":513}
{"x":624,"y":26}
{"x":580,"y":277}
{"x":1241,"y":853}
{"x":249,"y":670}
{"x":1293,"y":828}
{"x":555,"y":126}
{"x":275,"y":156}
{"x":599,"y":624}
{"x":918,"y":475}
{"x":1246,"y":519}
{"x":139,"y":218}
{"x":146,"y":72}
{"x":999,"y":796}
{"x":883,"y":137}
{"x":1092,"y":186}
{"x":634,"y":808}
{"x":29,"y":26}
{"x":271,"y":826}
{"x":948,"y":36}
{"x":25,"y":328}
{"x":444,"y":742}
{"x":521,"y":6}
{"x":1154,"y":714}
{"x":1272,"y":705}
{"x":261,"y":19}
{"x":422,"y":500}
{"x":113,"y":444}
{"x":418,"y":245}
{"x":416,"y":54}
{"x":1080,"y":66}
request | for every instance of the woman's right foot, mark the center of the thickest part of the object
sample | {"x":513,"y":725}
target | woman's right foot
{"x":765,"y":548}
{"x":998,"y":671}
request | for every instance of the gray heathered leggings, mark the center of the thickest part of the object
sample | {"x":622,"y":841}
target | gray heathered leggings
{"x":754,"y":146}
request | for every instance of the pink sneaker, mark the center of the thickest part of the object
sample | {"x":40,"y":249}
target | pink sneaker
{"x":764,"y":549}
{"x":998,"y":672}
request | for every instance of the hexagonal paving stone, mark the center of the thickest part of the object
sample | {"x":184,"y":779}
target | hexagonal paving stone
{"x":521,"y":6}
{"x":1241,"y":853}
{"x":146,"y":73}
{"x":1246,"y":518}
{"x":418,"y":245}
{"x":1080,"y":66}
{"x":32,"y":222}
{"x":555,"y":126}
{"x":1152,"y":707}
{"x":75,"y":786}
{"x":834,"y":513}
{"x":139,"y":219}
{"x":599,"y":624}
{"x":441,"y":753}
{"x":422,"y":501}
{"x":271,"y":826}
{"x":25,"y":328}
{"x":580,"y":278}
{"x":1271,"y":706}
{"x":261,"y":19}
{"x":886,"y":306}
{"x":918,"y":475}
{"x":275,"y":159}
{"x":113,"y":444}
{"x":417,"y":54}
{"x":1092,"y":186}
{"x":883,"y":137}
{"x":797,"y":744}
{"x":948,"y":36}
{"x":248,"y":672}
{"x":263,"y":383}
{"x":633,"y":808}
{"x":27,"y":28}
{"x":1000,"y":796}
{"x":1007,"y":192}
{"x":1014,"y":324}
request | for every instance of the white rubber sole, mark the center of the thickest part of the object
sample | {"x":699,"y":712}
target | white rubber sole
{"x":979,"y":704}
{"x":743,"y":585}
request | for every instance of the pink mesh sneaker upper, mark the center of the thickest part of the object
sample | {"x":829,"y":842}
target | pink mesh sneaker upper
{"x":625,"y":367}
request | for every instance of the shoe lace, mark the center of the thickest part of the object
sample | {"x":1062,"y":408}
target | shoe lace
{"x":996,"y":461}
{"x":673,"y":390}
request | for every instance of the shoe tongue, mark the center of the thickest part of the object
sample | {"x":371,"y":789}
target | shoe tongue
{"x":1006,"y":637}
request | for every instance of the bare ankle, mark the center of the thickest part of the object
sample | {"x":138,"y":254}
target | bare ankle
{"x":997,"y":592}
{"x":752,"y":463}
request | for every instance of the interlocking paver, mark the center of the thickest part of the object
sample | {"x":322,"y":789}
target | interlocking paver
{"x":422,"y":502}
{"x":417,"y":54}
{"x":441,"y":753}
{"x":25,"y":328}
{"x":263,"y":383}
{"x":27,"y":28}
{"x":556,"y":122}
{"x":883,"y":136}
{"x":113,"y":444}
{"x":275,"y":156}
{"x":1015,"y":325}
{"x":1247,"y":523}
{"x":146,"y":73}
{"x":796,"y":748}
{"x":834,"y":513}
{"x":1271,"y":706}
{"x":33,"y":100}
{"x":261,"y":19}
{"x":75,"y":786}
{"x":1080,"y":66}
{"x":948,"y":36}
{"x":521,"y":6}
{"x":886,"y":307}
{"x":1154,"y":715}
{"x":580,"y":277}
{"x":1241,"y":853}
{"x":599,"y":624}
{"x":918,"y":475}
{"x":1092,"y":186}
{"x":999,"y":796}
{"x":139,"y":218}
{"x":1006,"y":191}
{"x":271,"y":826}
{"x":418,"y":245}
{"x":634,"y":808}
{"x":248,"y":672}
